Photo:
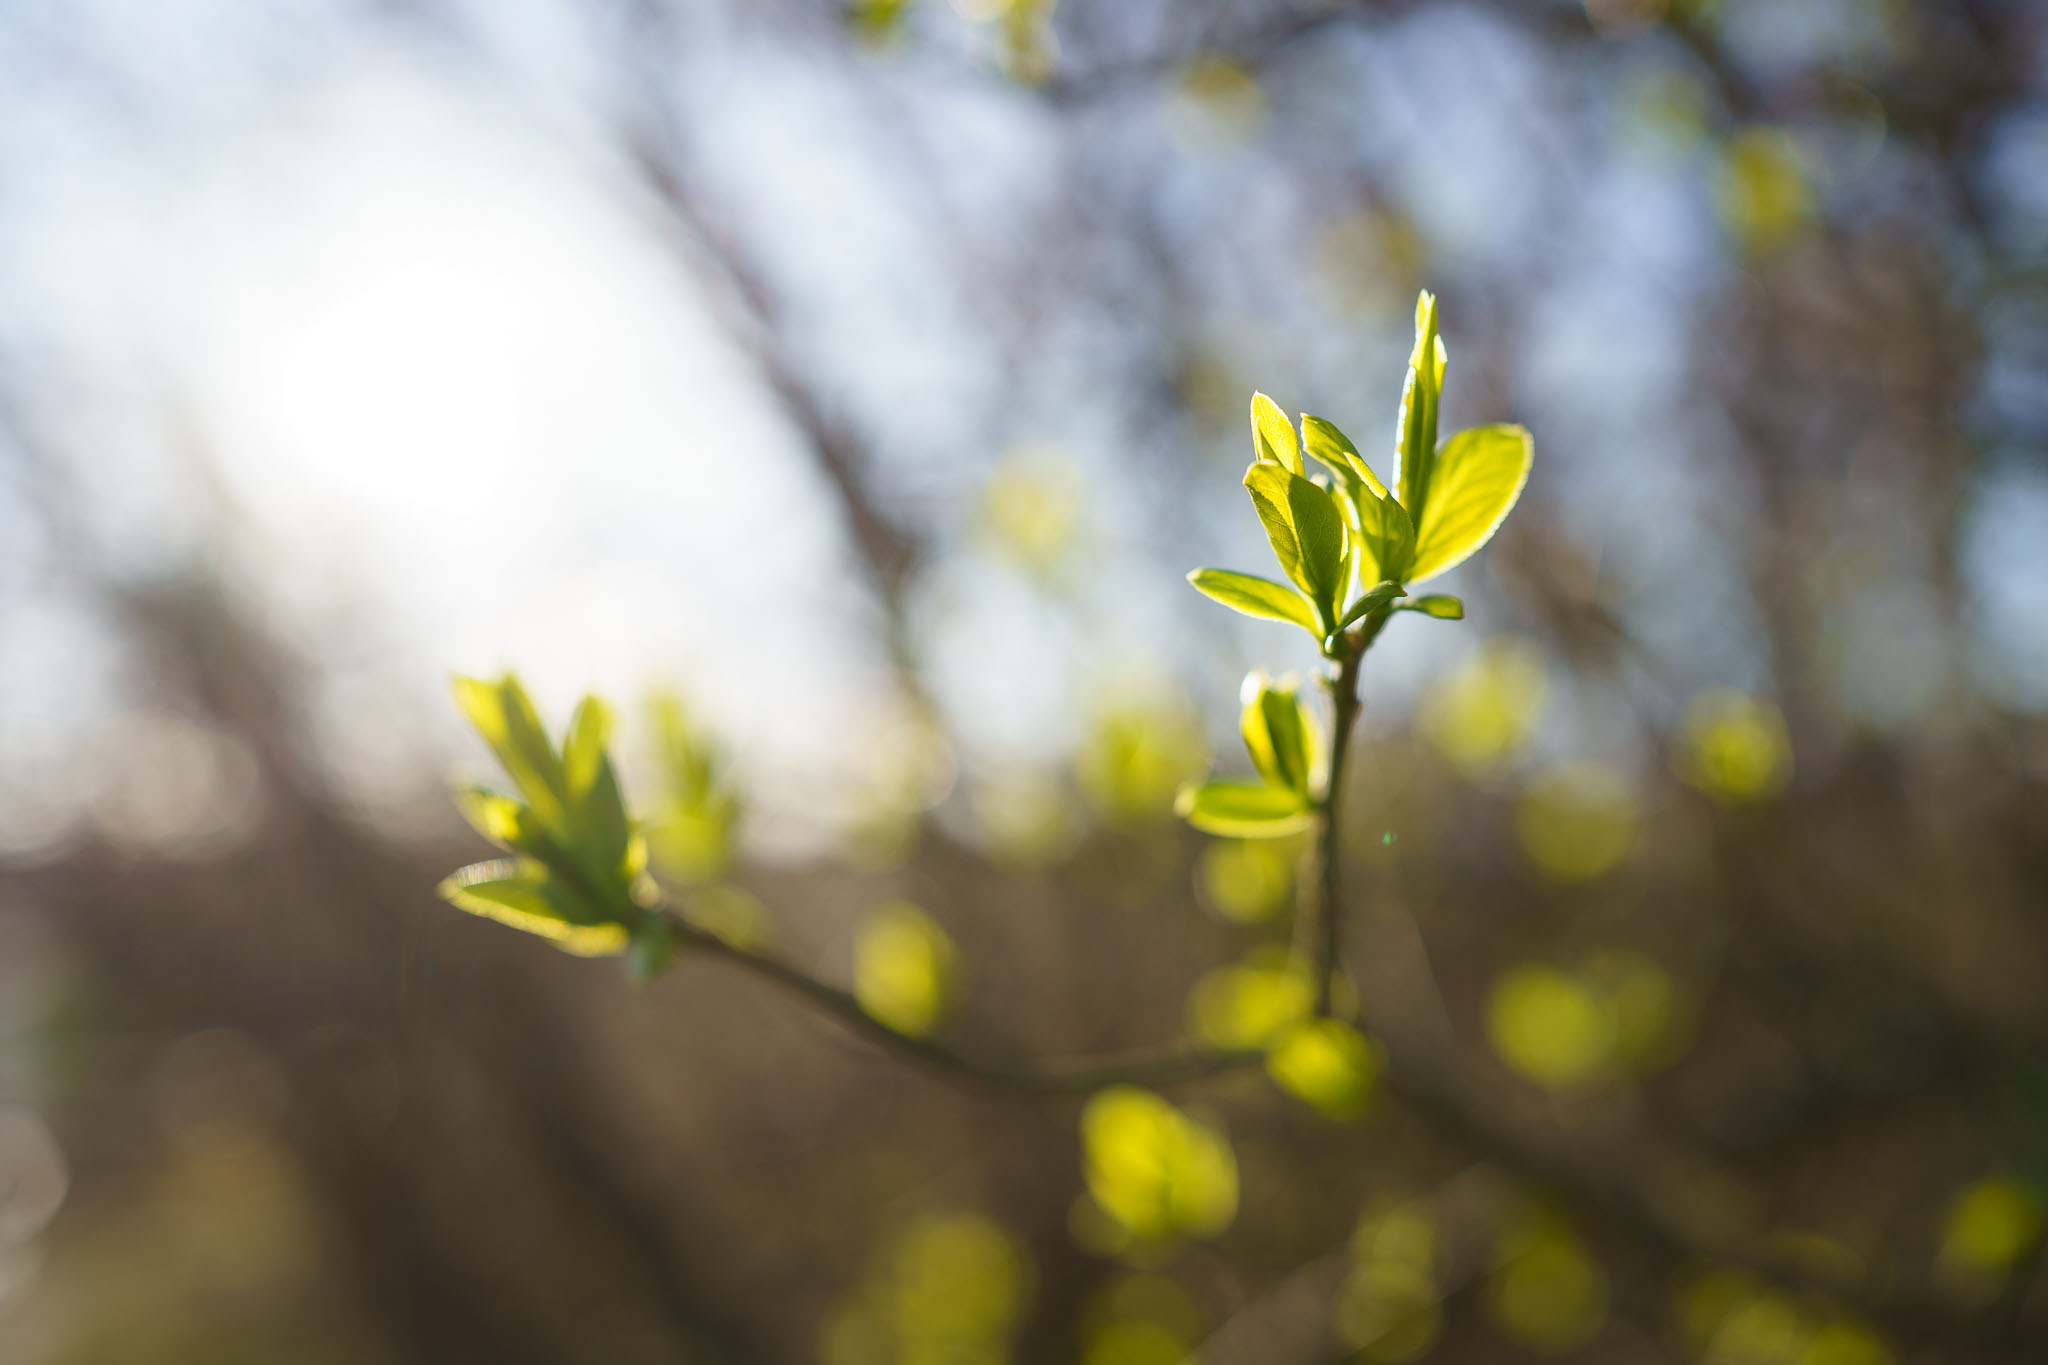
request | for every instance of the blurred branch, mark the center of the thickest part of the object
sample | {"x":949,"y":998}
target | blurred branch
{"x":1163,"y":1066}
{"x":656,"y":152}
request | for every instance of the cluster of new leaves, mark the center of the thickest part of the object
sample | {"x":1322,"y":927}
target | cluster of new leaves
{"x":1350,"y":547}
{"x":577,"y":870}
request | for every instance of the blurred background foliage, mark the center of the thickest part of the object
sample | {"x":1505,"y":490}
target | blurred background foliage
{"x":857,"y":383}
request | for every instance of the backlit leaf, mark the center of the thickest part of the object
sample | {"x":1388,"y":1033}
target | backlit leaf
{"x":504,"y":715}
{"x":583,"y":749}
{"x":1479,"y":475}
{"x":1333,"y":448}
{"x":1306,"y":530}
{"x":1415,"y":436}
{"x":499,"y":818}
{"x":1386,"y":539}
{"x":1441,"y":605}
{"x":1273,"y":438}
{"x":1255,"y":596}
{"x":1370,"y":601}
{"x":1242,"y":810}
{"x":1279,"y":734}
{"x":519,"y":893}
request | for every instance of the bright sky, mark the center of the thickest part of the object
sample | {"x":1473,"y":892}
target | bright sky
{"x":465,"y":417}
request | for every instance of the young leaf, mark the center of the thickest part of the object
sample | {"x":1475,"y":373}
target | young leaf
{"x":1333,"y":448}
{"x":1479,"y":475}
{"x":604,"y":833}
{"x":602,"y":808}
{"x":583,"y":749}
{"x":499,"y":818}
{"x":1369,"y":601}
{"x":1256,"y":596}
{"x":1306,"y":531}
{"x":504,"y":716}
{"x":1415,"y":438}
{"x":1279,"y":734}
{"x":1242,"y":810}
{"x":1386,"y":539}
{"x":1273,"y":438}
{"x":1441,"y":605}
{"x":518,"y":892}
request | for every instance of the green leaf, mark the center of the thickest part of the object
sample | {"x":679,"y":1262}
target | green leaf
{"x":1415,"y":439}
{"x":1255,"y":596}
{"x":605,"y":834}
{"x":605,"y":807}
{"x":504,"y":716}
{"x":1370,"y":601}
{"x":1334,"y":449}
{"x":1306,"y":531}
{"x":1279,"y":734}
{"x":1441,"y":605}
{"x":583,"y":749}
{"x":1386,"y":539}
{"x":1273,"y":438}
{"x":518,"y":892}
{"x":1242,"y":810}
{"x":499,"y":818}
{"x":1479,"y":475}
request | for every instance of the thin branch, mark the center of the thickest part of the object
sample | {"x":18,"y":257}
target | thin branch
{"x":1344,"y":706}
{"x":1155,"y":1067}
{"x":1322,"y":923}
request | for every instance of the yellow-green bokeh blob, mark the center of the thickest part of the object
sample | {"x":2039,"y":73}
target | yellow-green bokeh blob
{"x":1577,"y":821}
{"x":1140,"y":1320}
{"x":1215,"y":102}
{"x":1389,"y":1312}
{"x":1160,"y":1174}
{"x":1031,"y":506}
{"x":1142,"y":743}
{"x":1988,"y":1228}
{"x":1326,"y":1063}
{"x":1244,"y":1005}
{"x":1734,"y":747}
{"x":1247,"y":881}
{"x":730,"y":913}
{"x":904,"y":969}
{"x":1550,"y":1027}
{"x":1549,"y":1294}
{"x":1761,"y":191}
{"x":1484,"y":714}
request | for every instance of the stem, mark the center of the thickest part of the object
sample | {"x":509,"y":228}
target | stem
{"x":1156,"y":1067}
{"x":1344,"y":706}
